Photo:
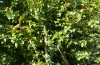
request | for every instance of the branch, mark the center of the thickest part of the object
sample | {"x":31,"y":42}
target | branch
{"x":63,"y":57}
{"x":45,"y":43}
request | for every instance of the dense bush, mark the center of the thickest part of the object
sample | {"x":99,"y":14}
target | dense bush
{"x":50,"y":32}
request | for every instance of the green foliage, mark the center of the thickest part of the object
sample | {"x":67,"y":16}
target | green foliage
{"x":50,"y":32}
